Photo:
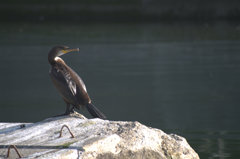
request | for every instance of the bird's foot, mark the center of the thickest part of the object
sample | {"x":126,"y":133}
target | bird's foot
{"x":72,"y":114}
{"x":64,"y":114}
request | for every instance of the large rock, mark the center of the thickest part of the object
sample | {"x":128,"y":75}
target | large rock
{"x":94,"y":138}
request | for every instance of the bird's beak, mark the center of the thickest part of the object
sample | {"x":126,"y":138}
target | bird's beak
{"x":70,"y":50}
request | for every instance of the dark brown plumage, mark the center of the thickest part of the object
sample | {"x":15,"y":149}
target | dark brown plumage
{"x":69,"y":84}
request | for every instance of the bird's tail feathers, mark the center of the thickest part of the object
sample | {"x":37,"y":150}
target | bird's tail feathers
{"x":95,"y":112}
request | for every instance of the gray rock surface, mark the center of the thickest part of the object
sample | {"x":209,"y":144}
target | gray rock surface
{"x":94,"y":138}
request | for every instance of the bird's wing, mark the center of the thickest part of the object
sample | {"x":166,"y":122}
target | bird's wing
{"x":68,"y":83}
{"x":81,"y":82}
{"x":63,"y":81}
{"x":71,"y":83}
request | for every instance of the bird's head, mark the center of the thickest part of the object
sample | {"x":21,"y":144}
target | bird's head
{"x":59,"y":51}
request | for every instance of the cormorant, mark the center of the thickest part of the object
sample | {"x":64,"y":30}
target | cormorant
{"x":69,"y":84}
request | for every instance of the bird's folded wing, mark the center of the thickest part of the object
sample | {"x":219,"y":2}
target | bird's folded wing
{"x":71,"y":83}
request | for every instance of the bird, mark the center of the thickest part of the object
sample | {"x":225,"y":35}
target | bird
{"x":69,"y":84}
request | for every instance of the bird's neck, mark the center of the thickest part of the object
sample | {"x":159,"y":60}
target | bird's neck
{"x":59,"y":60}
{"x":56,"y":60}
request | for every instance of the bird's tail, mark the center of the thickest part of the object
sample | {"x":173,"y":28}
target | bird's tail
{"x":95,"y":112}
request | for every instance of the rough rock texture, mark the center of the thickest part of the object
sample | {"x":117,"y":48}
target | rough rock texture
{"x":94,"y":138}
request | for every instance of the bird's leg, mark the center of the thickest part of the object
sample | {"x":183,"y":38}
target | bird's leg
{"x":69,"y":110}
{"x":72,"y":109}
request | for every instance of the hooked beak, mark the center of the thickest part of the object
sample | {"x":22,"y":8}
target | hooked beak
{"x":70,"y":50}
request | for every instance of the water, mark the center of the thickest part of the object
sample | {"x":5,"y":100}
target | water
{"x":181,"y":78}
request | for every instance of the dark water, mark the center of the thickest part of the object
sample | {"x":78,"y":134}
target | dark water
{"x":181,"y":78}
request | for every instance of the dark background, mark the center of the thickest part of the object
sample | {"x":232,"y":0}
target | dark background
{"x":119,"y":10}
{"x":172,"y":65}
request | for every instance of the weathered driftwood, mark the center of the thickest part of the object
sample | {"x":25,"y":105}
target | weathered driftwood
{"x":92,"y":138}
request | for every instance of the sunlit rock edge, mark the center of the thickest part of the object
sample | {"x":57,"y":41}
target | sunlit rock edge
{"x":94,"y":138}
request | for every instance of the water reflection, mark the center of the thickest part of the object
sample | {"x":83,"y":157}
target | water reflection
{"x":214,"y":144}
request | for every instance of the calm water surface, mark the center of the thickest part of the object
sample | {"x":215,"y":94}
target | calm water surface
{"x":181,"y":78}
